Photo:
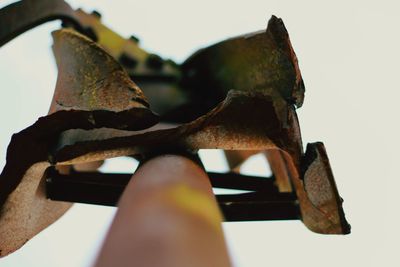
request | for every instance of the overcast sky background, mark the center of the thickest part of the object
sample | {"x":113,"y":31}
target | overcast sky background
{"x":349,"y":57}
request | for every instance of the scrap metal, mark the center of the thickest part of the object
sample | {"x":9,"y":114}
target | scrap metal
{"x":112,"y":98}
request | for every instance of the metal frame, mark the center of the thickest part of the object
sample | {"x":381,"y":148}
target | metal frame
{"x":265,"y":203}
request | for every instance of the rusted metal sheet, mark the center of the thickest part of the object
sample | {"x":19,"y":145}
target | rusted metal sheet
{"x":262,"y":61}
{"x":21,"y":16}
{"x":90,"y":79}
{"x":157,"y":77}
{"x":92,"y":91}
{"x":240,"y":94}
{"x":217,"y":130}
{"x":321,"y":192}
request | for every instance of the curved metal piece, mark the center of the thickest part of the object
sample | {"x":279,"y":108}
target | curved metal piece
{"x":22,"y":16}
{"x":156,"y":76}
{"x":225,"y":127}
{"x":234,"y":124}
{"x":321,"y":190}
{"x":92,"y":91}
{"x":262,"y":61}
{"x":90,"y":79}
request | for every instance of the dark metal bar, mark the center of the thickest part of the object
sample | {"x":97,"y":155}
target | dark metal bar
{"x":258,"y":206}
{"x":106,"y":188}
{"x":260,"y":211}
{"x":243,"y":182}
{"x":22,"y":16}
{"x":254,"y":197}
{"x":219,"y":180}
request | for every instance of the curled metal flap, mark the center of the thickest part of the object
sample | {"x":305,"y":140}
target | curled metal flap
{"x":89,"y":78}
{"x":106,"y":98}
{"x":263,"y":61}
{"x":244,"y":120}
{"x":21,"y":16}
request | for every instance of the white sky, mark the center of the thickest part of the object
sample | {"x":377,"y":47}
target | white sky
{"x":348,"y":53}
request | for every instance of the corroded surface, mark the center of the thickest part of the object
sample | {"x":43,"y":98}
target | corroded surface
{"x":157,"y":77}
{"x":112,"y":100}
{"x":239,"y":94}
{"x":18,"y":21}
{"x":262,"y":61}
{"x":91,"y":79}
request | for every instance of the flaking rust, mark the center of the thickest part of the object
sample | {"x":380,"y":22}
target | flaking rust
{"x":239,"y":95}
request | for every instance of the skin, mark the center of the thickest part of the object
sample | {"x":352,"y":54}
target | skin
{"x":167,"y":217}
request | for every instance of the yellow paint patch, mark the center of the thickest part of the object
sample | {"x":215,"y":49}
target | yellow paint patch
{"x":197,"y":203}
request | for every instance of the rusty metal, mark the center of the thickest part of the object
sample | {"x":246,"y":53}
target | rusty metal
{"x":217,"y":130}
{"x":262,"y":61}
{"x":21,"y":16}
{"x":157,"y":77}
{"x":159,"y":81}
{"x":92,"y":91}
{"x":239,"y":95}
